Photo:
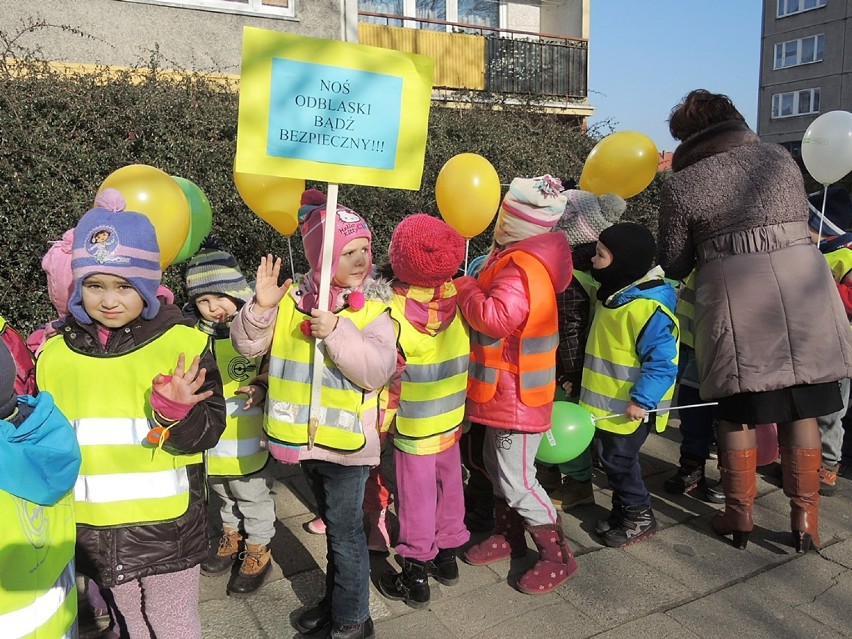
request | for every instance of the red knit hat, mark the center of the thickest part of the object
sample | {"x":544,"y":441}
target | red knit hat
{"x":425,"y":251}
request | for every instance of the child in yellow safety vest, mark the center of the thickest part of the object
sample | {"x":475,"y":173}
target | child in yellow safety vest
{"x":141,"y":388}
{"x":428,"y":394}
{"x":338,"y":441}
{"x":236,"y":466}
{"x":629,"y":369}
{"x":39,"y":461}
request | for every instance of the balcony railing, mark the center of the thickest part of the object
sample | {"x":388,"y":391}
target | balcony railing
{"x":469,"y":56}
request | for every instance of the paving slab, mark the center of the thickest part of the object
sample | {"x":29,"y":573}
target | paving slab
{"x":657,"y":625}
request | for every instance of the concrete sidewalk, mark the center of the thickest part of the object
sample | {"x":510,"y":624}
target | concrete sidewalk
{"x":686,"y":582}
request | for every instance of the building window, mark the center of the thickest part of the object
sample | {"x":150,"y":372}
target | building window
{"x":265,"y":8}
{"x":789,"y":7}
{"x":804,"y":102}
{"x":483,"y":13}
{"x":802,"y":51}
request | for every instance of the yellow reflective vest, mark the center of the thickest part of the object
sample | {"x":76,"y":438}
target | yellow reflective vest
{"x":38,"y":592}
{"x":290,"y":372}
{"x":242,"y":448}
{"x":123,"y":479}
{"x":434,"y":383}
{"x":685,"y":310}
{"x":840,"y":262}
{"x":611,"y":366}
{"x":590,"y":286}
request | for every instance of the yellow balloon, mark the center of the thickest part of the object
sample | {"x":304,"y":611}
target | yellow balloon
{"x":154,"y":193}
{"x":468,"y":193}
{"x":623,"y":163}
{"x":274,"y":200}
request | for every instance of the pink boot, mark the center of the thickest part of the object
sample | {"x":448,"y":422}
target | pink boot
{"x":378,"y":539}
{"x":507,"y":541}
{"x":555,"y":565}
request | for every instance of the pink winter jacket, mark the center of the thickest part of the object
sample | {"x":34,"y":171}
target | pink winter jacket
{"x":367,"y":357}
{"x":501,"y":312}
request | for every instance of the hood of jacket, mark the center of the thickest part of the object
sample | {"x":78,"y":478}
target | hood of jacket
{"x":553,"y":251}
{"x":713,"y":140}
{"x":39,"y":458}
{"x":650,"y":286}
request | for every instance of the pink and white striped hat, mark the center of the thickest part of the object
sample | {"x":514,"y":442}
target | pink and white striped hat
{"x":531,"y":207}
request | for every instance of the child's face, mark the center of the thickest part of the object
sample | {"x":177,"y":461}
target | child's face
{"x":602,"y":257}
{"x":354,"y":263}
{"x":216,"y":308}
{"x":111,"y":301}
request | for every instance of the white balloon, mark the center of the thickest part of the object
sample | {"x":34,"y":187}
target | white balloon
{"x":827,"y":147}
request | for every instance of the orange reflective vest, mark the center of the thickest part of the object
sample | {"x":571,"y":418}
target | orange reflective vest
{"x":538,"y":338}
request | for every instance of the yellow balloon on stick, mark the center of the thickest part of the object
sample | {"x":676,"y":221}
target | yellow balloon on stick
{"x":468,"y":193}
{"x":156,"y":195}
{"x":623,"y":163}
{"x":273,"y":199}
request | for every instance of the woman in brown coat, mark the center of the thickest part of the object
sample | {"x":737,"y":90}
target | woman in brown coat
{"x":771,"y":335}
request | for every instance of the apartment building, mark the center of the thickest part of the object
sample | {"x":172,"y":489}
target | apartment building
{"x":806,"y":66}
{"x":525,"y":51}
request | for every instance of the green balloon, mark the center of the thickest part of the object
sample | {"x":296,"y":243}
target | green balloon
{"x":570,"y":434}
{"x":200,"y":219}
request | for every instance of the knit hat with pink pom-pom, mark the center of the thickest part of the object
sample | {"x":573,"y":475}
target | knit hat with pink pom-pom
{"x":112,"y":241}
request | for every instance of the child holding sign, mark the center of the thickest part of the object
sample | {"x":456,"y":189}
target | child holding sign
{"x":359,"y":341}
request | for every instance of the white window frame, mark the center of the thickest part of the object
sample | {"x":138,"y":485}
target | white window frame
{"x":409,"y":10}
{"x":781,"y":7}
{"x":799,"y":47}
{"x":777,"y":98}
{"x":251,"y":8}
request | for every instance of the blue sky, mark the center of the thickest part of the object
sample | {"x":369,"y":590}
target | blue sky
{"x":645,"y":55}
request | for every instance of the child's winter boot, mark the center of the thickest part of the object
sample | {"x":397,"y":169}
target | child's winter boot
{"x":411,"y":585}
{"x":257,"y":562}
{"x":507,"y":541}
{"x":637,"y":524}
{"x":226,"y":553}
{"x":690,"y":477}
{"x":444,"y":567}
{"x":555,"y":565}
{"x":616,"y":516}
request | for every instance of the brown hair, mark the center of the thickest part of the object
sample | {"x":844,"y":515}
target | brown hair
{"x":699,"y":110}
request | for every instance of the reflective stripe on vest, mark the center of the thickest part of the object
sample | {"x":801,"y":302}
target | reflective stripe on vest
{"x":434,"y":383}
{"x":685,"y":310}
{"x":290,"y":373}
{"x":241,"y":449}
{"x":538,"y":338}
{"x":611,"y":366}
{"x":123,"y":479}
{"x":38,"y":591}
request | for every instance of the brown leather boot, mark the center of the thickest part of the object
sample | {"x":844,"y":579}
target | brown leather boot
{"x":257,"y":562}
{"x":507,"y":541}
{"x":800,"y":473}
{"x":737,"y":469}
{"x":224,"y":556}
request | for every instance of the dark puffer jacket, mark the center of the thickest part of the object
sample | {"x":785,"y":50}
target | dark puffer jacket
{"x":768,"y":315}
{"x":116,"y":555}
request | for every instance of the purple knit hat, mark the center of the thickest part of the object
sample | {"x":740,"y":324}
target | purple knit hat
{"x":110,"y":240}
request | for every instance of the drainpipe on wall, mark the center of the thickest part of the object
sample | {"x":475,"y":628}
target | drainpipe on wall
{"x":349,"y":20}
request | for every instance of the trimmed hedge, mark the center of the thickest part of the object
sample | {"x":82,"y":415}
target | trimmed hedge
{"x":62,"y":133}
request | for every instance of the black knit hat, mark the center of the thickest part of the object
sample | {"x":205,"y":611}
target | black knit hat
{"x":214,"y":270}
{"x":633,"y":249}
{"x":8,"y":376}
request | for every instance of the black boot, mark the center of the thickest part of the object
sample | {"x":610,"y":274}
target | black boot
{"x":444,"y":567}
{"x":314,"y":619}
{"x":352,"y":631}
{"x":690,"y":477}
{"x":616,"y":516}
{"x":638,"y":524}
{"x":411,"y":585}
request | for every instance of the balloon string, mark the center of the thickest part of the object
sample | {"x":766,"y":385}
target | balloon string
{"x":822,"y":216}
{"x":466,"y":249}
{"x":290,"y":250}
{"x":657,"y":410}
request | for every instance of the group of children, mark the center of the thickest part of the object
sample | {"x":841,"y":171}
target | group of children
{"x":165,"y":403}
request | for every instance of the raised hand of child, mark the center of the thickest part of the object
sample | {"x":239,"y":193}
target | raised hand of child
{"x":256,"y":394}
{"x":182,"y":386}
{"x":267,"y":293}
{"x":322,"y":323}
